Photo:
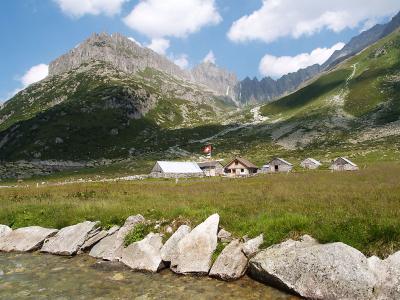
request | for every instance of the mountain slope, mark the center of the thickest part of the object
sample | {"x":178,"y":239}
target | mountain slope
{"x":97,"y":111}
{"x":360,"y":95}
{"x":254,"y":91}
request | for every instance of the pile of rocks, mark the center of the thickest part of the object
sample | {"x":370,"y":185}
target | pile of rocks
{"x":305,"y":267}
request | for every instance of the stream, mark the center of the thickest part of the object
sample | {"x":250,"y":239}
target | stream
{"x":42,"y":276}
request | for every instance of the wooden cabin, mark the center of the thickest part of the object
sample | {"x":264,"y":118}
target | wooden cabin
{"x":279,"y":165}
{"x":175,"y":169}
{"x":310,"y":163}
{"x":240,"y":166}
{"x":343,"y":164}
{"x":211,"y":168}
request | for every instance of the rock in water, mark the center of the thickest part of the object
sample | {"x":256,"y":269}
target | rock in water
{"x":231,"y":264}
{"x":169,"y":250}
{"x":144,"y":255}
{"x":98,"y":236}
{"x":110,"y":248}
{"x":224,"y":236}
{"x":25,"y":239}
{"x":4,"y":230}
{"x":195,"y":249}
{"x":69,"y":240}
{"x":251,"y":246}
{"x":314,"y":271}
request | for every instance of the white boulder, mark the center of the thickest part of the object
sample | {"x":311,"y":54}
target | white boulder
{"x":195,"y":250}
{"x":110,"y":248}
{"x":25,"y":239}
{"x":231,"y":264}
{"x":251,"y":247}
{"x":144,"y":255}
{"x":169,"y":250}
{"x":4,"y":230}
{"x":69,"y":240}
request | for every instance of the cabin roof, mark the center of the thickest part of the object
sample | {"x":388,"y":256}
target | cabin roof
{"x":178,"y":167}
{"x":346,"y":160}
{"x":282,"y":160}
{"x":244,"y":162}
{"x":208,"y":164}
{"x":313,"y":161}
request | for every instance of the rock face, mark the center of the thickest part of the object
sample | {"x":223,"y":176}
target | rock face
{"x":388,"y":273}
{"x":4,"y":230}
{"x":231,"y":264}
{"x":25,"y":239}
{"x":144,"y":255}
{"x":110,"y":248}
{"x":314,"y":271}
{"x":117,"y":50}
{"x":69,"y":240}
{"x":195,"y":249}
{"x":169,"y":250}
{"x":217,"y":79}
{"x":250,"y":247}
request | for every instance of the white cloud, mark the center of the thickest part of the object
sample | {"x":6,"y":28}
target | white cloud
{"x":278,"y":66}
{"x":210,"y":57}
{"x":135,"y":41}
{"x":181,"y":60}
{"x":79,"y":8}
{"x":35,"y":74}
{"x":281,"y":18}
{"x":172,"y":18}
{"x":159,"y":45}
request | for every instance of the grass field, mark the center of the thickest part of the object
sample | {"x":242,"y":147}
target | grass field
{"x":361,"y":209}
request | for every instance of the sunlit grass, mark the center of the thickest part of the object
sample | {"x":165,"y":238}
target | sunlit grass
{"x":361,"y":209}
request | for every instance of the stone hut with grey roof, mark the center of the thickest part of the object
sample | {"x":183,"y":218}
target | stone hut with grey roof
{"x":279,"y":165}
{"x":343,"y":164}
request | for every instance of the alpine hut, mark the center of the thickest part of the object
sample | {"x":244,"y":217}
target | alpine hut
{"x":279,"y":165}
{"x":240,"y":166}
{"x":343,"y":164}
{"x":174,"y":169}
{"x":211,"y":168}
{"x":310,"y":163}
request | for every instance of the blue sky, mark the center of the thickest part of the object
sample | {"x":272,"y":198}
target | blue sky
{"x":250,"y":37}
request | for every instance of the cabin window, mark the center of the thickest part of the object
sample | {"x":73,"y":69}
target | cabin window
{"x":236,"y":163}
{"x":242,"y":170}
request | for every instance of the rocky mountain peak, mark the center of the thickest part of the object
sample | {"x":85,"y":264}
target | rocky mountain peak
{"x":216,"y":78}
{"x":118,"y":50}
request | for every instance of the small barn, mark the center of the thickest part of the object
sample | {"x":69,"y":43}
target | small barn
{"x":279,"y":165}
{"x":174,"y":169}
{"x":310,"y":163}
{"x":211,"y":168}
{"x":343,"y":164}
{"x":240,"y":166}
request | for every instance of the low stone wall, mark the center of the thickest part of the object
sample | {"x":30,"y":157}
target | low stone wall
{"x":304,"y":267}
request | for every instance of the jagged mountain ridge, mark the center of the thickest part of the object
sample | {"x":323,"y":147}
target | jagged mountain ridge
{"x":255,"y":91}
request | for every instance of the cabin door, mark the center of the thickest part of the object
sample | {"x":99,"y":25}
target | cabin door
{"x":276,"y":168}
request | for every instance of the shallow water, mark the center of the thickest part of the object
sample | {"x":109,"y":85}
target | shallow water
{"x":40,"y":276}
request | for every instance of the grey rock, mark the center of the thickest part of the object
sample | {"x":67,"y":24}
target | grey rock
{"x":388,"y":274}
{"x":231,"y":264}
{"x":25,"y":239}
{"x":169,"y":250}
{"x":98,"y":236}
{"x":110,"y":248}
{"x":69,"y":240}
{"x":144,"y":255}
{"x":195,"y":249}
{"x":4,"y":230}
{"x":251,"y":247}
{"x":224,"y":236}
{"x":314,"y":271}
